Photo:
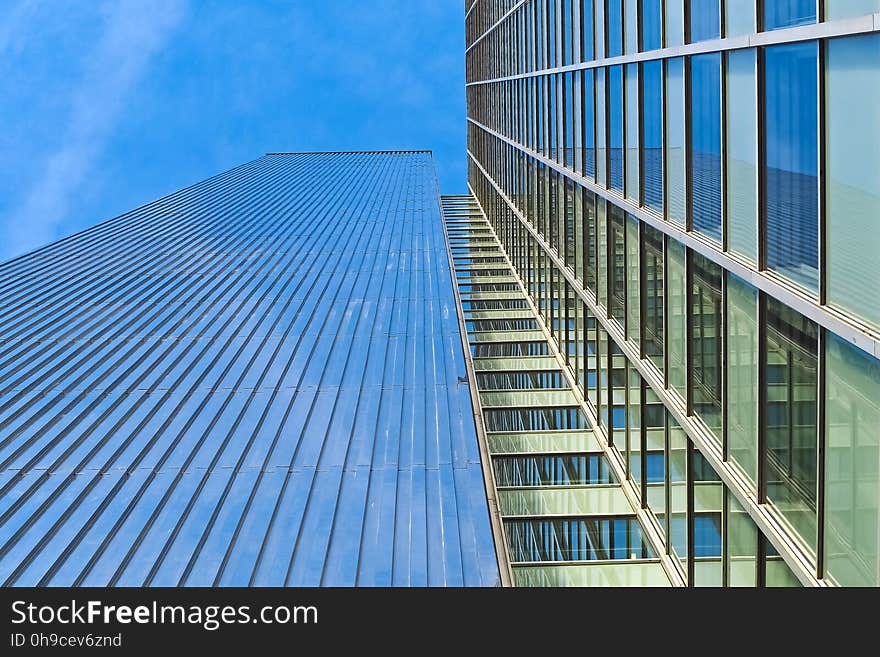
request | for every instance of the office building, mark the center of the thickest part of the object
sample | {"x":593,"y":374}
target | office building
{"x":687,"y":194}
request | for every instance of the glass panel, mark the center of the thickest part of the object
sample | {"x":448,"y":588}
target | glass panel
{"x":534,"y":419}
{"x":587,"y":30}
{"x":706,"y":522}
{"x":591,"y":349}
{"x":576,"y":539}
{"x":652,"y":268}
{"x":852,"y":465}
{"x":676,"y":292}
{"x":742,"y":154}
{"x":552,"y":470}
{"x":618,"y":379}
{"x":853,"y":170}
{"x":632,"y":133}
{"x":631,"y":18}
{"x":615,"y":28}
{"x":777,"y":572}
{"x":615,"y":127}
{"x":707,"y":329}
{"x":634,"y":423}
{"x":652,"y":134}
{"x":589,"y":129}
{"x":602,"y":401}
{"x":677,"y":478}
{"x":705,"y":20}
{"x":601,"y":250}
{"x":568,"y":118}
{"x":633,"y":326}
{"x":569,"y":240}
{"x":601,"y":153}
{"x":706,"y":144}
{"x":675,"y":132}
{"x":791,"y":417}
{"x":742,"y":544}
{"x":739,"y":17}
{"x":674,"y":22}
{"x":651,"y":24}
{"x":792,"y":162}
{"x":541,"y":380}
{"x":599,"y":26}
{"x":655,"y":455}
{"x":567,"y":34}
{"x":589,"y":232}
{"x":742,"y":375}
{"x":617,"y":280}
{"x":787,"y":13}
{"x":847,"y":8}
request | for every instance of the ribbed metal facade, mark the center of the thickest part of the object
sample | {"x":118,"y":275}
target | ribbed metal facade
{"x":253,"y":381}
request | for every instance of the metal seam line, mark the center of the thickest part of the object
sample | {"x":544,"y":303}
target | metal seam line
{"x":793,"y":554}
{"x":789,"y":295}
{"x":824,"y":30}
{"x":670,"y":565}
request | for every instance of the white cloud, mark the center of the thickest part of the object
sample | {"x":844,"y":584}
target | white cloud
{"x":134,"y":31}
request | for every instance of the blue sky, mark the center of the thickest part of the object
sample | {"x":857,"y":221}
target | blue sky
{"x":108,"y":105}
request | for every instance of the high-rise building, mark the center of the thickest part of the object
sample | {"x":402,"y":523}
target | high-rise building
{"x":684,"y":195}
{"x":258,"y":380}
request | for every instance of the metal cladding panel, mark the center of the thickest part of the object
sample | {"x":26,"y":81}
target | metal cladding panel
{"x":253,"y":381}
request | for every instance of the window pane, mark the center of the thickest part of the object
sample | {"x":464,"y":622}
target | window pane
{"x":853,"y":170}
{"x":589,"y":129}
{"x":792,"y":162}
{"x":651,"y":24}
{"x":787,"y":13}
{"x":739,"y":17}
{"x":617,"y":280}
{"x":655,"y":455}
{"x":675,"y":118}
{"x":550,"y":470}
{"x":615,"y":126}
{"x":791,"y":417}
{"x":742,"y":375}
{"x":742,"y":544}
{"x":652,"y":134}
{"x":677,"y":478}
{"x":587,"y":30}
{"x":632,"y":133}
{"x":576,"y":539}
{"x":706,"y":144}
{"x":652,"y":273}
{"x":674,"y":23}
{"x":852,"y":471}
{"x":705,"y":20}
{"x":706,"y":331}
{"x":677,"y":294}
{"x":742,"y":154}
{"x":615,"y":28}
{"x":632,"y":275}
{"x":706,"y":522}
{"x":601,"y":153}
{"x":601,"y":250}
{"x":599,"y":27}
{"x":848,"y":8}
{"x":589,"y":208}
{"x":567,"y":33}
{"x":634,"y":423}
{"x":591,"y":357}
{"x":568,"y":118}
{"x":631,"y":16}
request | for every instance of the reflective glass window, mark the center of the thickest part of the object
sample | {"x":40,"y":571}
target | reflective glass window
{"x":632,"y":133}
{"x":852,"y":465}
{"x":742,"y":154}
{"x":652,"y":134}
{"x":652,"y":275}
{"x":589,"y":124}
{"x":705,"y":140}
{"x":601,"y":151}
{"x":791,"y":417}
{"x":705,"y":20}
{"x":742,"y":375}
{"x":674,"y":23}
{"x":739,"y":17}
{"x":788,"y":13}
{"x":675,"y":133}
{"x":587,"y":30}
{"x":576,"y":539}
{"x":676,"y":292}
{"x":615,"y":127}
{"x":652,"y":25}
{"x":552,"y":470}
{"x":633,"y":324}
{"x":617,"y":255}
{"x":792,"y":162}
{"x":852,"y":129}
{"x":631,"y":25}
{"x":742,"y":544}
{"x":615,"y":28}
{"x":706,"y":332}
{"x":847,"y":8}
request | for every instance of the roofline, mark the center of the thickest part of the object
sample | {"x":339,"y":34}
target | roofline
{"x":373,"y":152}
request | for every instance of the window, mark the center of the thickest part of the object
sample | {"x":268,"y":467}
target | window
{"x":615,"y":28}
{"x":590,"y":236}
{"x":674,"y":22}
{"x":742,"y":544}
{"x":651,"y":24}
{"x":705,"y":20}
{"x":705,"y":144}
{"x":788,"y":13}
{"x":847,"y":8}
{"x":706,"y":332}
{"x":739,"y":18}
{"x":631,"y":26}
{"x":853,"y":175}
{"x":632,"y":133}
{"x":587,"y":30}
{"x":576,"y":539}
{"x":633,"y":325}
{"x":742,"y":375}
{"x":552,"y":470}
{"x":652,"y":275}
{"x":742,"y":154}
{"x":675,"y":120}
{"x":601,"y":152}
{"x":617,"y":280}
{"x":534,"y":419}
{"x":589,"y":124}
{"x":852,"y":473}
{"x":615,"y":127}
{"x":676,"y":339}
{"x":652,"y":134}
{"x":792,"y":162}
{"x":791,"y":422}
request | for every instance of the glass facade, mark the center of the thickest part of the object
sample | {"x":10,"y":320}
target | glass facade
{"x":736,"y":193}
